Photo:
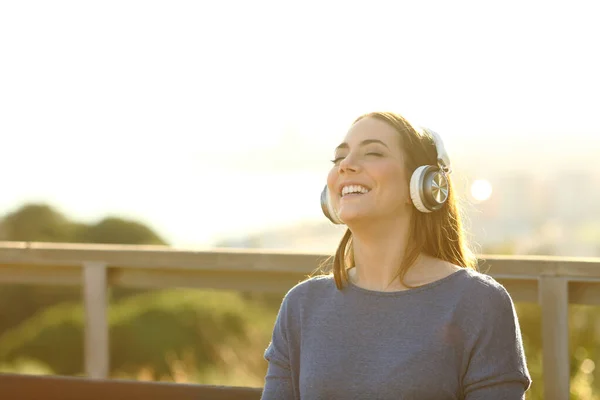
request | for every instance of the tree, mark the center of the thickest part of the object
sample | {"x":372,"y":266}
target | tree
{"x":36,"y":223}
{"x":120,"y":231}
{"x":41,"y":223}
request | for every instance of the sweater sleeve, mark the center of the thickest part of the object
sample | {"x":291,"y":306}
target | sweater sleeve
{"x":497,"y":367}
{"x":278,"y":381}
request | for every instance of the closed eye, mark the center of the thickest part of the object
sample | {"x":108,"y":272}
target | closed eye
{"x":337,"y":160}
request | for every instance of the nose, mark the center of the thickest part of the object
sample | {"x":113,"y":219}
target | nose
{"x":348,"y":164}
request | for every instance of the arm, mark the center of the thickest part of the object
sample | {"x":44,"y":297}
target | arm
{"x":278,"y":381}
{"x":497,"y":366}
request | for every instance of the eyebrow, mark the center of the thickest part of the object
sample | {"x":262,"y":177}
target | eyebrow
{"x":363,"y":143}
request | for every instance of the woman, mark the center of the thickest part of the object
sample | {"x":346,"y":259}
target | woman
{"x":404,"y":314}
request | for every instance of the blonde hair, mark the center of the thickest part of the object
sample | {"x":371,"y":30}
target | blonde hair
{"x":439,"y":234}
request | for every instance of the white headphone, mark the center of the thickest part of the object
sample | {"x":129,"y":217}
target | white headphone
{"x":428,"y":184}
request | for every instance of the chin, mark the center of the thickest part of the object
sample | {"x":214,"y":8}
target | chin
{"x":349,"y":218}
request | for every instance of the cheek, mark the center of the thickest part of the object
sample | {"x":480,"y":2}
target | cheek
{"x":393,"y":179}
{"x":331,"y":180}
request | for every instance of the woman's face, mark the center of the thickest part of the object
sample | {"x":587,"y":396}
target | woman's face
{"x":368,"y":179}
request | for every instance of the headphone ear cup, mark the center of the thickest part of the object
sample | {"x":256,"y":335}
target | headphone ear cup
{"x":416,"y":188}
{"x":428,"y":188}
{"x":327,"y":207}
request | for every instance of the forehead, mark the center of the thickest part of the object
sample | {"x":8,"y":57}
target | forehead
{"x":372,"y":128}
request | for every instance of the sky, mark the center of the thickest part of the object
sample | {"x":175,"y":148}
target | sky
{"x":210,"y":119}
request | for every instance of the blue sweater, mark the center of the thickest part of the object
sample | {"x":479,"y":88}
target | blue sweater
{"x":455,"y":338}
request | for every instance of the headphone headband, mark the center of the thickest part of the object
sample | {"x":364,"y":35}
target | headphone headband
{"x":442,"y":156}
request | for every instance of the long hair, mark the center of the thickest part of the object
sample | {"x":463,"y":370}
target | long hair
{"x":439,"y":234}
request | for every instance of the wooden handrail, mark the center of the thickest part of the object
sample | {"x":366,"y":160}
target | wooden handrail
{"x":28,"y":387}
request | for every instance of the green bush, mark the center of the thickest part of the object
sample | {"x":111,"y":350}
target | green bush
{"x":153,"y":330}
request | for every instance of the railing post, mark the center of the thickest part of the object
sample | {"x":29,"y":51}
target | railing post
{"x":554,"y":301}
{"x":96,"y":323}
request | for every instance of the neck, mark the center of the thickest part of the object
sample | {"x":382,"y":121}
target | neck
{"x":379,"y":248}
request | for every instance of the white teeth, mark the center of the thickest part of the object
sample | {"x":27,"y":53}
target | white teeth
{"x":354,"y":189}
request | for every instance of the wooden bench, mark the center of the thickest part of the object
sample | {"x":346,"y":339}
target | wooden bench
{"x":30,"y":387}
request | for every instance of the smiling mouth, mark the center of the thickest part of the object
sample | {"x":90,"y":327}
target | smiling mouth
{"x":354,"y":190}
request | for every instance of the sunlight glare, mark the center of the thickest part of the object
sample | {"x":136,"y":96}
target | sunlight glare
{"x":481,"y":190}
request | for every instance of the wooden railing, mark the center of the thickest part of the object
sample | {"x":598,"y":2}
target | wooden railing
{"x":24,"y":387}
{"x":552,"y":282}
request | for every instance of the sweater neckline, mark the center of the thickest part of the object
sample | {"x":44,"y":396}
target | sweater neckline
{"x":406,"y":292}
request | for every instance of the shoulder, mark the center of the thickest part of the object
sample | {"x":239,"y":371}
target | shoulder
{"x":303,"y":296}
{"x":485,"y":285}
{"x":486,"y":297}
{"x":312,"y":287}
